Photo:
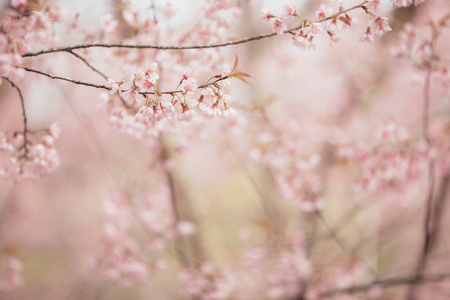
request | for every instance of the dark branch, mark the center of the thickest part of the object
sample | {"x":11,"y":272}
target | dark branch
{"x":88,"y":64}
{"x":25,"y":124}
{"x":386,"y":283}
{"x":100,"y":86}
{"x":187,"y":47}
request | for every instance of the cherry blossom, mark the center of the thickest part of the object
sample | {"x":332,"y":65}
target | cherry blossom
{"x":187,"y":114}
{"x":146,"y":114}
{"x":189,"y":85}
{"x":171,"y":10}
{"x":187,"y":73}
{"x":379,"y":25}
{"x":278,"y":25}
{"x":19,"y":4}
{"x":113,"y":85}
{"x":323,"y":11}
{"x":266,"y":15}
{"x":315,"y":28}
{"x":229,"y":112}
{"x":289,"y":11}
{"x":109,"y":24}
{"x":367,"y":36}
{"x":374,"y":4}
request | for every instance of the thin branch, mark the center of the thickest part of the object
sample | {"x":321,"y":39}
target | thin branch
{"x":197,"y":23}
{"x":439,"y":207}
{"x":88,"y":64}
{"x":340,"y":243}
{"x":187,"y":47}
{"x":431,"y":207}
{"x":100,"y":86}
{"x":387,"y":283}
{"x":25,"y":124}
{"x":98,"y":72}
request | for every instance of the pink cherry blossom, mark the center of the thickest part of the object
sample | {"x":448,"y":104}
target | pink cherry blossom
{"x":168,"y":110}
{"x":187,"y":114}
{"x":132,"y":96}
{"x":406,"y":3}
{"x":278,"y":25}
{"x":315,"y":29}
{"x":374,"y":4}
{"x":266,"y":15}
{"x":323,"y":11}
{"x":19,"y":4}
{"x":367,"y":36}
{"x":151,"y":71}
{"x":379,"y":25}
{"x":213,"y":111}
{"x":130,"y":17}
{"x":54,"y":130}
{"x":170,"y":10}
{"x":187,"y":73}
{"x":113,"y":85}
{"x":189,"y":85}
{"x":229,"y":112}
{"x":109,"y":24}
{"x":145,"y":114}
{"x":289,"y":11}
{"x":301,"y":40}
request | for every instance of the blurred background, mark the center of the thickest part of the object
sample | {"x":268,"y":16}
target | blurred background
{"x":280,"y":195}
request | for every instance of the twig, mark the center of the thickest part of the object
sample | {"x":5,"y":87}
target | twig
{"x":88,"y":64}
{"x":25,"y":124}
{"x":187,"y":47}
{"x":100,"y":86}
{"x":439,"y":207}
{"x":386,"y":283}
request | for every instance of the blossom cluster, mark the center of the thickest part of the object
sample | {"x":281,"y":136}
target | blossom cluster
{"x":120,"y":259}
{"x":393,"y":160}
{"x":182,"y":106}
{"x":30,"y":154}
{"x":418,"y":49}
{"x":208,"y":283}
{"x":295,"y":172}
{"x":327,"y":21}
{"x":20,"y":29}
{"x":413,"y":47}
{"x":125,"y":259}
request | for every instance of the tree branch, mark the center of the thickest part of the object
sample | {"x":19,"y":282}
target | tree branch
{"x":100,"y":86}
{"x":88,"y":64}
{"x":386,"y":283}
{"x":187,"y":47}
{"x":25,"y":124}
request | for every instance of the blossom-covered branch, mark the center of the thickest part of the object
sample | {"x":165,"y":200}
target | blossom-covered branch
{"x":187,"y":47}
{"x":101,"y":86}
